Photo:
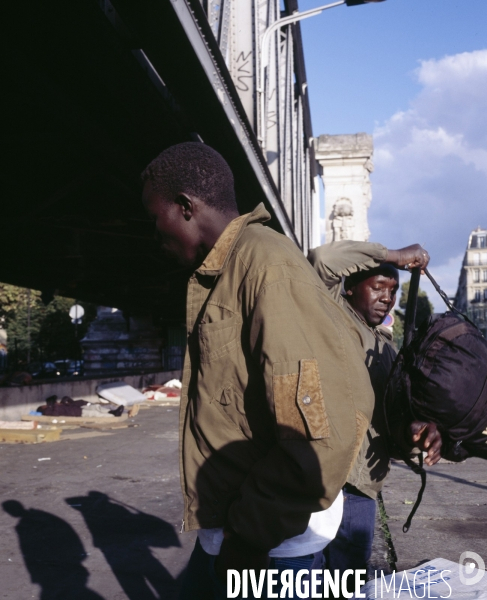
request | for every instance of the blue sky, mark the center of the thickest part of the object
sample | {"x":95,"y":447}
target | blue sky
{"x":414,"y":74}
{"x":360,"y":60}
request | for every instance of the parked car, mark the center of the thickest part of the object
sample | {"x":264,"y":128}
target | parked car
{"x":69,"y":368}
{"x":75,"y":367}
{"x":43,"y":370}
{"x":61,"y":366}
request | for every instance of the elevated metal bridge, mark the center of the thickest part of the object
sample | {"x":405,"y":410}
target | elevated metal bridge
{"x":95,"y":90}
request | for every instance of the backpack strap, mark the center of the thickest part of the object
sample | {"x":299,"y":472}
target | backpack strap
{"x":445,"y":298}
{"x":418,"y":469}
{"x":391,"y":428}
{"x":409,"y":329}
{"x":412,"y":303}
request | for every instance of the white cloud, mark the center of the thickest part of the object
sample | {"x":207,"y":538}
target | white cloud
{"x":430,"y":180}
{"x":451,"y":69}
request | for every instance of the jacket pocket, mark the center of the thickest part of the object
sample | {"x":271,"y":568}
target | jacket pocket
{"x":361,"y":427}
{"x":299,"y":403}
{"x":218,"y":338}
{"x":229,"y":403}
{"x":311,"y":402}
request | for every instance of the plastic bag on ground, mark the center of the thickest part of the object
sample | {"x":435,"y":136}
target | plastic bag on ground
{"x":120,"y":393}
{"x":174,"y":383}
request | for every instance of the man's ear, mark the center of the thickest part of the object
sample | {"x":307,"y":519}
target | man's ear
{"x":187,"y":205}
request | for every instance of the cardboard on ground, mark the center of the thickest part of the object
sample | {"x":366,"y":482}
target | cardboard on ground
{"x":30,"y":436}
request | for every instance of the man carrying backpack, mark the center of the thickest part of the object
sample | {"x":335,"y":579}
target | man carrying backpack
{"x":370,"y":286}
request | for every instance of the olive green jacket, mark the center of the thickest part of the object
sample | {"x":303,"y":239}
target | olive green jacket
{"x":332,"y":262}
{"x":276,"y":399}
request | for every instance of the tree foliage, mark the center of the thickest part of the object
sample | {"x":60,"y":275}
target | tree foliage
{"x":398,"y":328}
{"x":423,"y":311}
{"x":37,"y":331}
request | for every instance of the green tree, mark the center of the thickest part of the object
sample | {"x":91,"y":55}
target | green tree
{"x":23,"y":325}
{"x":40,"y":332}
{"x":398,"y":328}
{"x":423,"y":311}
{"x":11,"y":297}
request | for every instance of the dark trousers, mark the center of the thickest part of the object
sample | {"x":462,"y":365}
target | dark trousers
{"x":352,"y":546}
{"x":201,"y":583}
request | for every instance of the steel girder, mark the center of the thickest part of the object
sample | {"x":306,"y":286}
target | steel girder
{"x":280,"y":119}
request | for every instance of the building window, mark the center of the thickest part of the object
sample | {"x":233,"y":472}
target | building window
{"x":485,"y":294}
{"x":478,"y":241}
{"x":476,"y":258}
{"x":476,"y":275}
{"x":477,"y":296}
{"x":483,"y":258}
{"x":484,"y":275}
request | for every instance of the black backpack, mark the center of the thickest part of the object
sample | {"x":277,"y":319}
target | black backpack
{"x":440,"y":376}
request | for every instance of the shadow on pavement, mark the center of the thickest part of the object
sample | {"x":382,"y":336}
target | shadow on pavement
{"x":433,"y":473}
{"x":53,"y":553}
{"x":125,"y":536}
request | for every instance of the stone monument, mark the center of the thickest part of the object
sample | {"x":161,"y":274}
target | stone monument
{"x":346,"y":161}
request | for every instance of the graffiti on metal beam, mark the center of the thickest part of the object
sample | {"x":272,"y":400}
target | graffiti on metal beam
{"x":242,"y":68}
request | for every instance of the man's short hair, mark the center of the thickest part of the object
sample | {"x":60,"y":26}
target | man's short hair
{"x":385,"y":269}
{"x":195,"y":169}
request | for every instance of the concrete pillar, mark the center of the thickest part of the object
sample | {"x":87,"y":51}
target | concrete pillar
{"x":315,"y":215}
{"x":347,"y":163}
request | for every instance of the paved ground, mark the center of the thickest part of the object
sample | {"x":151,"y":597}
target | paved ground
{"x":102,"y":516}
{"x":451,"y":519}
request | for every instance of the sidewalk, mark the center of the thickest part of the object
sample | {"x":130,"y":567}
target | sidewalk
{"x":451,"y":519}
{"x":103,"y":514}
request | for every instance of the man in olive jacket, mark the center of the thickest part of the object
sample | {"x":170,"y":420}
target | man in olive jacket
{"x":276,"y":398}
{"x":368,"y":294}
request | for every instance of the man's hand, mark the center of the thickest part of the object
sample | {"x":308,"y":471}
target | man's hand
{"x":236,"y":554}
{"x":427,"y":438}
{"x":409,"y":257}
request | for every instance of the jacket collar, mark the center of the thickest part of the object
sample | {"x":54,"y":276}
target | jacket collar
{"x":377,"y":330}
{"x":218,"y":256}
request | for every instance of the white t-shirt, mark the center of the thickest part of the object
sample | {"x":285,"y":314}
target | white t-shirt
{"x":322,"y":528}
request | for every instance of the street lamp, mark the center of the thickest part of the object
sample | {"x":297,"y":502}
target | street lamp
{"x":294,"y":18}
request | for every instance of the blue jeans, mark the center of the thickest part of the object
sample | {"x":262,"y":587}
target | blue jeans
{"x":352,"y":546}
{"x":201,"y":583}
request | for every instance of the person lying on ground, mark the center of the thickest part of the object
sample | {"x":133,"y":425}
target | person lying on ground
{"x":67,"y":407}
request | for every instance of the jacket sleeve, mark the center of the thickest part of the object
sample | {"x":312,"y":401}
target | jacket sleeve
{"x":340,"y":259}
{"x":318,"y":391}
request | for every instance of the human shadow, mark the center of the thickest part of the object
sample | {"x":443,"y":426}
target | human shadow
{"x":126,"y":535}
{"x":294,"y":485}
{"x":53,"y":553}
